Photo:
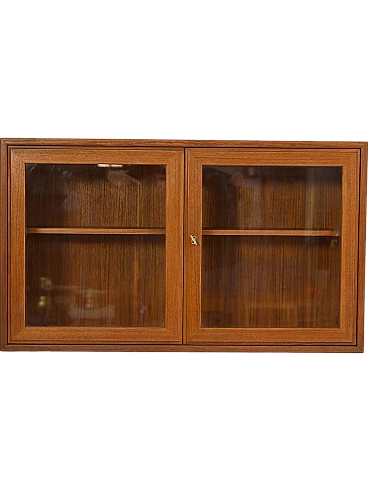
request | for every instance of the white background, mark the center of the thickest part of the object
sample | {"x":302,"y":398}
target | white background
{"x":200,"y":70}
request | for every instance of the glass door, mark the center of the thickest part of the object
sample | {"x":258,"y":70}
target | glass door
{"x":96,"y":246}
{"x":271,"y":246}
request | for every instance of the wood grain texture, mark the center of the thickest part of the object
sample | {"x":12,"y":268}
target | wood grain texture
{"x":87,"y":196}
{"x":271,"y":282}
{"x":3,"y":244}
{"x":16,"y":270}
{"x":362,"y":243}
{"x":99,"y":277}
{"x":349,"y":247}
{"x":274,"y":232}
{"x":192,"y":264}
{"x":60,"y":339}
{"x":366,"y":223}
{"x":97,"y":280}
{"x":174,"y":246}
{"x":187,"y":298}
{"x":261,"y":144}
{"x":97,"y":231}
{"x":93,"y":335}
{"x":289,"y":348}
{"x":231,"y":157}
{"x":94,"y":156}
{"x":346,"y":159}
{"x":261,"y":197}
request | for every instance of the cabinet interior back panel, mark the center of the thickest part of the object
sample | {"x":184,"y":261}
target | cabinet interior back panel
{"x":131,"y":196}
{"x":270,"y":281}
{"x":95,"y":280}
{"x":252,"y":197}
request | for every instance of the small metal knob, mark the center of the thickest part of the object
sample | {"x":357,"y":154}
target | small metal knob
{"x":193,"y":239}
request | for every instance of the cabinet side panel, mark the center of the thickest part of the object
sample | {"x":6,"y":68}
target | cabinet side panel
{"x":362,"y":241}
{"x":3,"y":242}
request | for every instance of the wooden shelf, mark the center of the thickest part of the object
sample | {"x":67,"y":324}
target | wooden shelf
{"x":277,"y":232}
{"x":97,"y":231}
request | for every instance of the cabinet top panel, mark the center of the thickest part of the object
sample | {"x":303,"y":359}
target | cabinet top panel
{"x":179,"y":143}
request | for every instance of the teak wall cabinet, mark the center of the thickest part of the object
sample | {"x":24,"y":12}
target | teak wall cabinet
{"x":182,"y":245}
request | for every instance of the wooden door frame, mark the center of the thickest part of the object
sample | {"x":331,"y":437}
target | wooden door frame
{"x":172,"y":332}
{"x":349,"y":160}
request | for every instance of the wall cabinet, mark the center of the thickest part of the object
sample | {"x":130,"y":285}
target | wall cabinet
{"x":182,"y":245}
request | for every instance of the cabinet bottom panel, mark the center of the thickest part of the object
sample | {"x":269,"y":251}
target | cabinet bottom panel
{"x":188,"y":348}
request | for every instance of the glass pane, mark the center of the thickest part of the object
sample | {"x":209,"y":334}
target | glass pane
{"x":271,"y":197}
{"x":261,"y":281}
{"x":120,"y":196}
{"x":95,"y":280}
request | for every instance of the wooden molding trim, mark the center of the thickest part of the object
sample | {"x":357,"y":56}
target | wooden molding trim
{"x":44,"y":142}
{"x":189,"y":348}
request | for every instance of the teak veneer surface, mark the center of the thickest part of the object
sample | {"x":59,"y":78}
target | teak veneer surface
{"x":275,"y":268}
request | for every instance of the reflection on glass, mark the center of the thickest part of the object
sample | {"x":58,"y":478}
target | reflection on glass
{"x":271,"y":197}
{"x":270,"y":281}
{"x":118,"y":196}
{"x":95,"y":280}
